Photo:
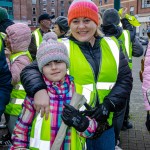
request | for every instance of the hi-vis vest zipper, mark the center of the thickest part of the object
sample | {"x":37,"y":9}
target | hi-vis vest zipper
{"x":127,"y":46}
{"x":85,"y":85}
{"x":18,"y":93}
{"x":40,"y":132}
{"x":38,"y":37}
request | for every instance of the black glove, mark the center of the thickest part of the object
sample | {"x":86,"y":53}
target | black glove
{"x":147,"y":123}
{"x":73,"y":118}
{"x":100,"y":113}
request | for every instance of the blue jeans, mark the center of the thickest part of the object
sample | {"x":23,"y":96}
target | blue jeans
{"x":105,"y":142}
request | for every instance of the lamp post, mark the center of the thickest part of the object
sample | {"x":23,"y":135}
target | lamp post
{"x":117,"y":4}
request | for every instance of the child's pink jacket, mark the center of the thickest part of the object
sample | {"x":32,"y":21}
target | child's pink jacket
{"x":146,"y":77}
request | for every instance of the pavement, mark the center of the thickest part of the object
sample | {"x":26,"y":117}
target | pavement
{"x":137,"y":138}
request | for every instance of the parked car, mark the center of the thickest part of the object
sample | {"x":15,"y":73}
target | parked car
{"x":143,"y":40}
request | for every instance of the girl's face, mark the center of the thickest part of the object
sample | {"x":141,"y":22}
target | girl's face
{"x":83,"y":29}
{"x":55,"y":70}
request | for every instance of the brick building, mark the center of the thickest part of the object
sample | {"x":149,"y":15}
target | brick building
{"x":28,"y":10}
{"x":9,"y":6}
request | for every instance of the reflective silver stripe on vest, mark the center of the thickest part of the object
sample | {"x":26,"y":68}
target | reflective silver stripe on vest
{"x":18,"y":87}
{"x":37,"y":39}
{"x":114,"y":48}
{"x":105,"y":85}
{"x":17,"y":101}
{"x":67,"y":44}
{"x":126,"y":42}
{"x":36,"y":142}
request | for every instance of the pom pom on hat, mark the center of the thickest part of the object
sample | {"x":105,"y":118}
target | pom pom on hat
{"x":83,"y":8}
{"x":50,"y":49}
{"x":3,"y":14}
{"x":111,"y":16}
{"x":51,"y":36}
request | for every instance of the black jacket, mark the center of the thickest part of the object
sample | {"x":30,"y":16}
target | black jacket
{"x":32,"y":80}
{"x":5,"y":81}
{"x":113,"y":30}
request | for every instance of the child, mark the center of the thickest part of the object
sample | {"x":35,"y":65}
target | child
{"x":17,"y":42}
{"x":53,"y":61}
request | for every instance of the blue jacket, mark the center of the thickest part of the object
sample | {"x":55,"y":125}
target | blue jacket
{"x":5,"y":80}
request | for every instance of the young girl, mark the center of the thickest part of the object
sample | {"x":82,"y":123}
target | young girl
{"x":17,"y":42}
{"x":53,"y":61}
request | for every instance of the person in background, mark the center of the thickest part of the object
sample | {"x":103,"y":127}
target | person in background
{"x":5,"y":75}
{"x":130,"y":47}
{"x":18,"y":38}
{"x":104,"y":71}
{"x":61,"y":26}
{"x":44,"y":21}
{"x":53,"y":61}
{"x":146,"y":82}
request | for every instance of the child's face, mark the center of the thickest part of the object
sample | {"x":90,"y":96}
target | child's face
{"x":55,"y":70}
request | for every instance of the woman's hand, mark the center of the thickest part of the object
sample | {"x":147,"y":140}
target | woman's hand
{"x":41,"y":103}
{"x":122,"y":12}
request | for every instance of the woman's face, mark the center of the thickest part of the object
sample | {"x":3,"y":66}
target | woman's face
{"x":55,"y":70}
{"x":57,"y":30}
{"x":83,"y":29}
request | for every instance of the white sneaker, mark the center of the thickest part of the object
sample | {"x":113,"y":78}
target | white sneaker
{"x":118,"y":148}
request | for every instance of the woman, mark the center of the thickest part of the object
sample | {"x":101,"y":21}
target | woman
{"x":96,"y":63}
{"x":61,"y":26}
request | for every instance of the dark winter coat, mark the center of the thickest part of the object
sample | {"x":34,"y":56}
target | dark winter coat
{"x":32,"y":79}
{"x":5,"y":81}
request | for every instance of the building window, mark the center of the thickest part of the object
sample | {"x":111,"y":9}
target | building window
{"x":33,"y":1}
{"x":9,"y":10}
{"x":61,"y":3}
{"x":44,"y":2}
{"x":105,"y":1}
{"x":69,"y":3}
{"x":34,"y":20}
{"x":44,"y":10}
{"x":33,"y":11}
{"x":145,"y":3}
{"x":52,"y":3}
{"x":131,"y":10}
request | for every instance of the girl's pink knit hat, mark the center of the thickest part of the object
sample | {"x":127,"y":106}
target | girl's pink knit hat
{"x":83,"y":8}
